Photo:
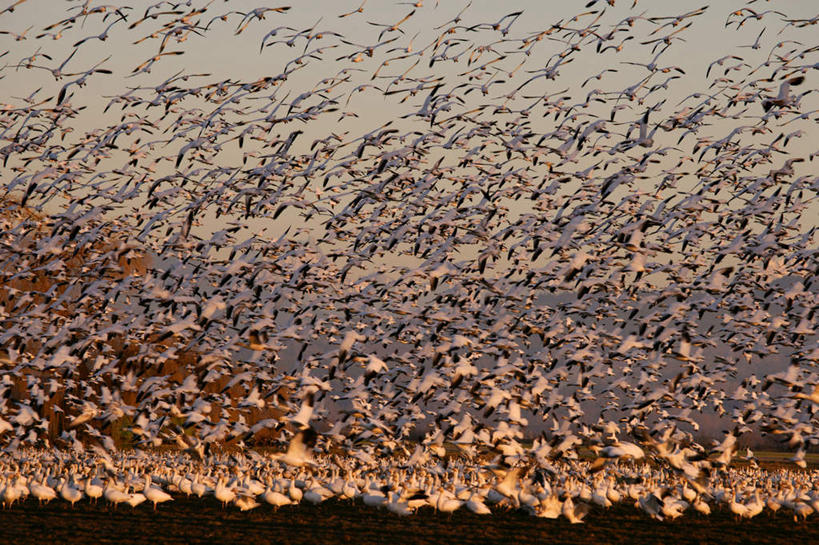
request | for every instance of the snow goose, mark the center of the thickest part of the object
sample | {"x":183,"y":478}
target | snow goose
{"x":574,"y":513}
{"x":113,"y":494}
{"x":550,"y":507}
{"x":813,"y":397}
{"x":599,"y":497}
{"x":253,"y":487}
{"x":508,"y":486}
{"x":198,"y":488}
{"x":651,"y":504}
{"x":93,"y":489}
{"x":349,"y":491}
{"x":222,"y":493}
{"x":185,"y":485}
{"x":701,"y":506}
{"x":10,"y":494}
{"x":774,"y":502}
{"x":21,"y":484}
{"x":447,"y":502}
{"x":155,"y":495}
{"x":417,"y":499}
{"x":398,"y":505}
{"x":316,"y":493}
{"x":246,"y":502}
{"x":612,"y":493}
{"x":42,"y":492}
{"x":476,"y":505}
{"x":136,"y":499}
{"x":755,"y":506}
{"x":298,"y":451}
{"x":800,"y":509}
{"x":275,"y":498}
{"x":294,"y":492}
{"x":69,"y":492}
{"x":784,"y":97}
{"x":374,"y":496}
{"x":739,"y":509}
{"x":673,"y":507}
{"x":526,"y":499}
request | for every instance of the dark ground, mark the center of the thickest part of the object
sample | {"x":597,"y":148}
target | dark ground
{"x":194,"y":521}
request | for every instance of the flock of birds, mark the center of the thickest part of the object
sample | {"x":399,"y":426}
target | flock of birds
{"x":405,"y":240}
{"x":403,"y":485}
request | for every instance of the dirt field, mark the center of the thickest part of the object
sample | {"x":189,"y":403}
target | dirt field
{"x":203,"y":521}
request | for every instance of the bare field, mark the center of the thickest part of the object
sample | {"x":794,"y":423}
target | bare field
{"x":193,"y":521}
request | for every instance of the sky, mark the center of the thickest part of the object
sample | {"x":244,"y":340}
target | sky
{"x":224,"y":54}
{"x":220,"y":54}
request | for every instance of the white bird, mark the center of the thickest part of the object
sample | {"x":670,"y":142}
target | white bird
{"x":93,"y":490}
{"x":373,"y":497}
{"x":135,"y":499}
{"x":294,"y":492}
{"x":42,"y":492}
{"x":813,"y":397}
{"x":153,"y":494}
{"x":276,"y":498}
{"x":574,"y":513}
{"x":10,"y":493}
{"x":784,"y":98}
{"x":222,"y":493}
{"x":298,"y":452}
{"x":550,"y":507}
{"x":476,"y":505}
{"x":69,"y":492}
{"x":246,"y":502}
{"x":447,"y":502}
{"x":398,"y":505}
{"x":114,"y":494}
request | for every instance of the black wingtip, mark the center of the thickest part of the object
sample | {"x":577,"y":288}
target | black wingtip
{"x":309,"y":436}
